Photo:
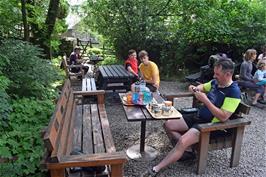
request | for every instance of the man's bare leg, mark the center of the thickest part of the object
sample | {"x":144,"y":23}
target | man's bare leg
{"x":174,"y":129}
{"x":186,"y":140}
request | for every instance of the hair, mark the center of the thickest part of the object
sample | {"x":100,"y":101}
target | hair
{"x":77,"y":48}
{"x":131,"y":51}
{"x":249,"y":53}
{"x":263,"y":48}
{"x":143,"y":53}
{"x":226,"y":64}
{"x":261,"y":64}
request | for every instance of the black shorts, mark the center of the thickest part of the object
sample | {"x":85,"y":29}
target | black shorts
{"x":192,"y":120}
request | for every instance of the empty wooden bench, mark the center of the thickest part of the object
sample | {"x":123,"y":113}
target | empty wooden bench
{"x":236,"y":125}
{"x":88,"y":84}
{"x":80,"y":128}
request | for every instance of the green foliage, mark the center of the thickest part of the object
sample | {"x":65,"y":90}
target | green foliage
{"x":10,"y":16}
{"x":22,"y":138}
{"x":5,"y":107}
{"x":110,"y":60}
{"x":30,"y":75}
{"x":178,"y":33}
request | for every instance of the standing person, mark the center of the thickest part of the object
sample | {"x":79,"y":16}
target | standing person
{"x":220,"y":97}
{"x":246,"y":78}
{"x":262,"y":56}
{"x":131,"y":63}
{"x":149,"y":71}
{"x":75,"y":59}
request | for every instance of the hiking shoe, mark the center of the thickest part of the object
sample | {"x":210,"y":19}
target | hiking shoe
{"x":187,"y":156}
{"x":149,"y":173}
{"x":262,"y":101}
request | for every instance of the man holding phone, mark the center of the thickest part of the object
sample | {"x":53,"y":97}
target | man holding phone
{"x":220,"y":97}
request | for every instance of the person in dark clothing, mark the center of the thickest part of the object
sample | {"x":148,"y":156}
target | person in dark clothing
{"x":75,"y":59}
{"x":246,"y":77}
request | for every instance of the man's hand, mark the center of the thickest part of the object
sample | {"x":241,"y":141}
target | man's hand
{"x":193,"y":88}
{"x":202,"y":97}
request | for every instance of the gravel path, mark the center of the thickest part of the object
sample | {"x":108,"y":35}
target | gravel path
{"x":253,"y":157}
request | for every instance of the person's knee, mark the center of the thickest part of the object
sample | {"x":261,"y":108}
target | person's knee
{"x":167,"y":125}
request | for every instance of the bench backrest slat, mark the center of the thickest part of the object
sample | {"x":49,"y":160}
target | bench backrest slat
{"x":60,"y":148}
{"x":51,"y":135}
{"x":93,"y":85}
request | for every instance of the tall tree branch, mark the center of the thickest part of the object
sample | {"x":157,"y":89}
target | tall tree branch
{"x":24,"y":20}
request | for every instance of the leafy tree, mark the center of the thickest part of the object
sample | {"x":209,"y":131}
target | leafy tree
{"x":42,"y":21}
{"x":179,"y":32}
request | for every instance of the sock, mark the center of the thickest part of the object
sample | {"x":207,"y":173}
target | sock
{"x":154,"y":169}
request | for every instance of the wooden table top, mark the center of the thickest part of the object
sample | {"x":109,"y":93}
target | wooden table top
{"x":139,"y":112}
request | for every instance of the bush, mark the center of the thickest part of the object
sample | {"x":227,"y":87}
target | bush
{"x":22,"y":138}
{"x":21,"y":64}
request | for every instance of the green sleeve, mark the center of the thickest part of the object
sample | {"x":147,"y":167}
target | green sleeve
{"x":207,"y":86}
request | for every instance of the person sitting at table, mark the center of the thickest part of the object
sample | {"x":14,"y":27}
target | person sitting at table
{"x":149,"y":71}
{"x":75,"y":59}
{"x":131,"y":64}
{"x":220,"y":96}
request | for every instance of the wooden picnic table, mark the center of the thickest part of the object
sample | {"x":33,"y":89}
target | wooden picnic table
{"x":140,"y":113}
{"x":114,"y":77}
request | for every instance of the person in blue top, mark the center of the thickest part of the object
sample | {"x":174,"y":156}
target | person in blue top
{"x":220,"y":96}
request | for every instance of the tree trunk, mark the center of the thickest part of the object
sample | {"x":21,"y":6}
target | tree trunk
{"x":24,"y":20}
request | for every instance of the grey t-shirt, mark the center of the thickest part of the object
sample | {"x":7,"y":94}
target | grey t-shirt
{"x":246,"y":70}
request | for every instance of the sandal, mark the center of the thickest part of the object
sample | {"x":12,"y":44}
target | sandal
{"x":188,"y":155}
{"x":149,"y":173}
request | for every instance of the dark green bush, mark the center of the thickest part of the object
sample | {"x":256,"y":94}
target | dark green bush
{"x":29,"y":74}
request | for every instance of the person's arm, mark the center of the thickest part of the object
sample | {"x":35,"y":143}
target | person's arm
{"x":131,"y":70}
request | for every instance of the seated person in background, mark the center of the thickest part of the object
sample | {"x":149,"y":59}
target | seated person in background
{"x":220,"y":96}
{"x":260,"y":74}
{"x":149,"y":71}
{"x":75,"y":59}
{"x":131,"y":64}
{"x":246,"y":78}
{"x":262,"y":56}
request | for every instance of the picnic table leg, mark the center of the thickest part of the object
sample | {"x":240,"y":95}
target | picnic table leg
{"x":142,"y":136}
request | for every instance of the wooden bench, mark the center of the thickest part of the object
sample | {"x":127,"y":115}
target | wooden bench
{"x":69,"y":74}
{"x":84,"y":128}
{"x":88,"y":84}
{"x":236,"y":124}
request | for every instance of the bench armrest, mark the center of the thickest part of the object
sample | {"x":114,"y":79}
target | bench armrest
{"x":74,"y":66}
{"x":89,"y":160}
{"x":208,"y":127}
{"x":170,"y":97}
{"x":88,"y":93}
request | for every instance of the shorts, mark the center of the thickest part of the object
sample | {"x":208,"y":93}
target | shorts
{"x":192,"y":120}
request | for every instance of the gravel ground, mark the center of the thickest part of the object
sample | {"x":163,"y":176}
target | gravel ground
{"x":126,"y":134}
